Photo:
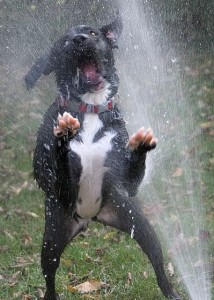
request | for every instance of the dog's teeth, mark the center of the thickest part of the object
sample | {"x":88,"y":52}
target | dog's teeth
{"x":76,"y":78}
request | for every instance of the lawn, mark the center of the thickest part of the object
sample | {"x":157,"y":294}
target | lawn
{"x":108,"y":259}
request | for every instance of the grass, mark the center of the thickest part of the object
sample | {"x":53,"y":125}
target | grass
{"x":100,"y":253}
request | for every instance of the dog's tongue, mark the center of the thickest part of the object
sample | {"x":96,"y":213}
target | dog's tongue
{"x":90,"y":72}
{"x":93,"y":77}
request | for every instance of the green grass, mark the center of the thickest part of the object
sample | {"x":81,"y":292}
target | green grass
{"x":101,"y":253}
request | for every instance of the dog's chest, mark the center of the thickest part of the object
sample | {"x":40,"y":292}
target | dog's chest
{"x":93,"y":156}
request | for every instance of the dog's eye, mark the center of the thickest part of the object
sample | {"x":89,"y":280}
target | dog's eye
{"x":93,"y":33}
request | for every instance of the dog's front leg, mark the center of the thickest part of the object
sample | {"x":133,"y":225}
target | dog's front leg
{"x":60,"y":228}
{"x":140,"y":143}
{"x":126,"y":215}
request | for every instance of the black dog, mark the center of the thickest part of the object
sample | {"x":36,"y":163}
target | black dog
{"x":84,"y":161}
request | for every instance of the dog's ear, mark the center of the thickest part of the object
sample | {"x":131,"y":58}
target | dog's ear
{"x":41,"y":66}
{"x":45,"y":64}
{"x":113,"y":31}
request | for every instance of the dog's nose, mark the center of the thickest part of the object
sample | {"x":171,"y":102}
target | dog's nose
{"x":80,"y":38}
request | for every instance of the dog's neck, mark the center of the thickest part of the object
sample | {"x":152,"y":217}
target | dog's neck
{"x":90,"y":102}
{"x":96,"y":102}
{"x":98,"y":97}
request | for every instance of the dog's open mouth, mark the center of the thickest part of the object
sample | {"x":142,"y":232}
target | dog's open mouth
{"x":91,"y":72}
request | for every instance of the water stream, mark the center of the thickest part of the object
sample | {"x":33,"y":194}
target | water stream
{"x":171,"y":192}
{"x":151,"y":95}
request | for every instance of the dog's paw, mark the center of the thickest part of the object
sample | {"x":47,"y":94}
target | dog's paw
{"x":143,"y":139}
{"x":67,"y":125}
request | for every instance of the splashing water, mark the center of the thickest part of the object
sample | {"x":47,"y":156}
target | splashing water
{"x":171,"y":192}
{"x":152,"y":96}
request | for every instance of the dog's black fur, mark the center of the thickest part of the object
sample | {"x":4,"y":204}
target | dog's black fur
{"x":68,"y":171}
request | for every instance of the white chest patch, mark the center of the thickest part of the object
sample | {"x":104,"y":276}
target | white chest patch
{"x":98,"y":97}
{"x":92,"y":157}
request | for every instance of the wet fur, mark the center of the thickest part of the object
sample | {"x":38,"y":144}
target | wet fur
{"x":92,"y":175}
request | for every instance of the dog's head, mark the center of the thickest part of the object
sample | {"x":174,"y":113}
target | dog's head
{"x":82,"y":60}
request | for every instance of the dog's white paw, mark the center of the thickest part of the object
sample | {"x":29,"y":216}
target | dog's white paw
{"x":143,"y":138}
{"x":66,"y":125}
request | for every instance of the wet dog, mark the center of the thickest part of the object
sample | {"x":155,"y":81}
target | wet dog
{"x":84,"y":161}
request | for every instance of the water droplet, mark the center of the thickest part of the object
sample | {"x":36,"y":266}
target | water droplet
{"x":132,"y":231}
{"x":47,"y":147}
{"x":174,"y":60}
{"x":136,"y":47}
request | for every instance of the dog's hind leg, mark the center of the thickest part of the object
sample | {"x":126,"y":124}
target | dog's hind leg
{"x":60,"y":228}
{"x":126,"y":215}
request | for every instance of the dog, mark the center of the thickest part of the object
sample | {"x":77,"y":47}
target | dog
{"x":84,"y":160}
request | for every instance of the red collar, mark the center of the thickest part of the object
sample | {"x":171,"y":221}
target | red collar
{"x":85,"y":107}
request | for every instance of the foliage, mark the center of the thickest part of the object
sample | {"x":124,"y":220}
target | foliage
{"x":186,"y":22}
